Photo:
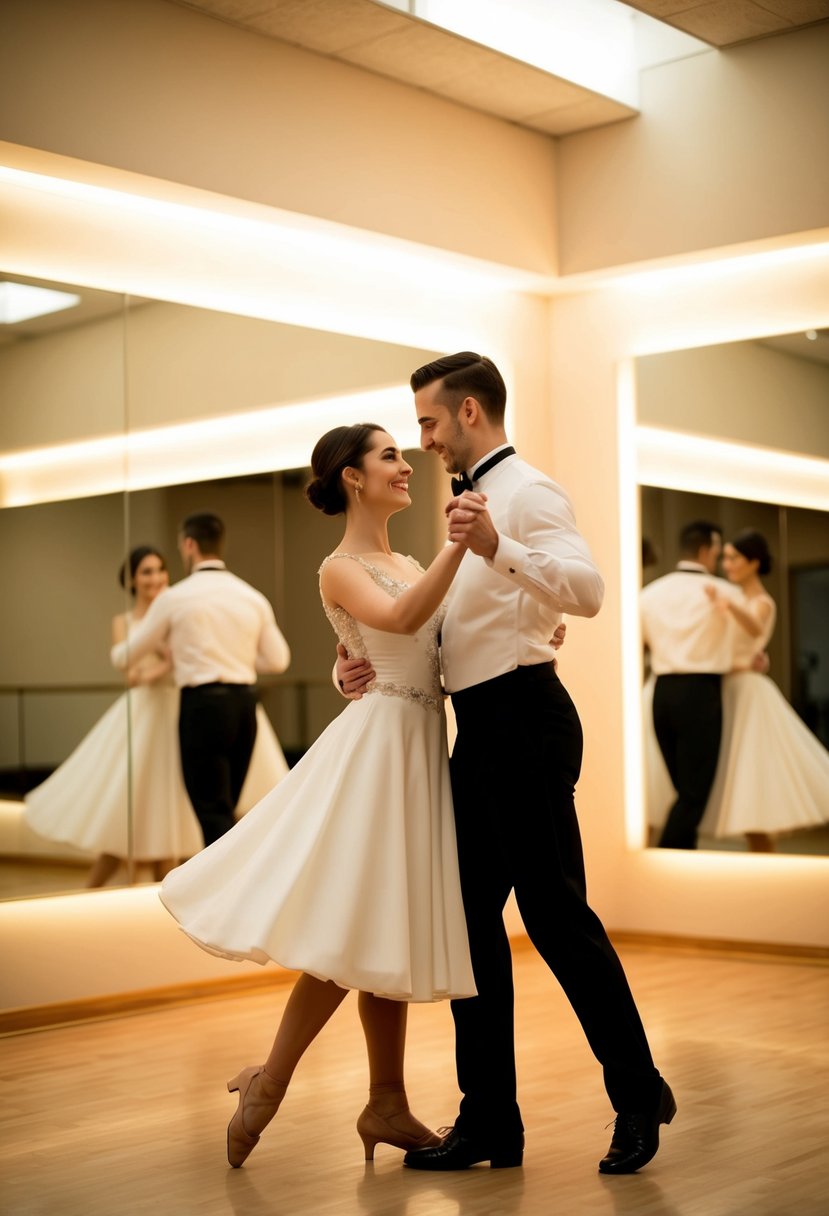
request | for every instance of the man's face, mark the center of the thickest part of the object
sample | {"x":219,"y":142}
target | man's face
{"x":709,"y":555}
{"x":441,"y":430}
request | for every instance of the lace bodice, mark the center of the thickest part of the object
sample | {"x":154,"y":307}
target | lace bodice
{"x":407,"y":665}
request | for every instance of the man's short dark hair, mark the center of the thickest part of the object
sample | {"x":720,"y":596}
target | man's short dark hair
{"x":698,"y":535}
{"x":466,"y":375}
{"x":206,"y":529}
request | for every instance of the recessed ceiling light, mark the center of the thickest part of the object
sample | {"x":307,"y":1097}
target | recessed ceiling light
{"x":21,"y":302}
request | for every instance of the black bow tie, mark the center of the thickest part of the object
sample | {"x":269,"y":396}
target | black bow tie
{"x":464,"y":481}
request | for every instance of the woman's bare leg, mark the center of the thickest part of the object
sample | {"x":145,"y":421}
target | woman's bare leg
{"x":103,"y":868}
{"x":760,"y":842}
{"x":384,"y":1026}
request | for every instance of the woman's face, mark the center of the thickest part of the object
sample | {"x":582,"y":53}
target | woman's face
{"x":385,"y":475}
{"x":150,"y":577}
{"x":737,"y":569}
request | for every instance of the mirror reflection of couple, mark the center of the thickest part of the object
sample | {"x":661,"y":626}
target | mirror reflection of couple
{"x":144,"y":755}
{"x":357,"y":871}
{"x":724,"y":750}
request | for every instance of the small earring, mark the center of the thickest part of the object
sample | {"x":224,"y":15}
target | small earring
{"x":357,"y":490}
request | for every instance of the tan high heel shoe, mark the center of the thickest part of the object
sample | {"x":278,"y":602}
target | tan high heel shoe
{"x":267,"y":1093}
{"x":374,"y":1129}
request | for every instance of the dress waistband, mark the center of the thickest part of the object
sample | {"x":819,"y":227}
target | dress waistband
{"x":419,"y":696}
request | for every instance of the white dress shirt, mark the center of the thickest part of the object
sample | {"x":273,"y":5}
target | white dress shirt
{"x":685,"y":633}
{"x":502,"y":613}
{"x":218,"y":628}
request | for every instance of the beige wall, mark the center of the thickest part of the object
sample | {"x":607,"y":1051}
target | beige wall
{"x":66,"y":386}
{"x":163,"y":363}
{"x":729,"y":147}
{"x":742,"y":391}
{"x":152,"y":87}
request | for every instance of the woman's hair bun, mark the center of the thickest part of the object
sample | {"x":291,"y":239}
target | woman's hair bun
{"x":328,"y":499}
{"x":342,"y":448}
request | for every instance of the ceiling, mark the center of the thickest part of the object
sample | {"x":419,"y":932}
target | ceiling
{"x":370,"y":35}
{"x":94,"y":305}
{"x":728,"y":22}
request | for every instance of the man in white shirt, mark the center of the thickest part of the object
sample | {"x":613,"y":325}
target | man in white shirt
{"x":514,"y":768}
{"x":220,"y":632}
{"x":691,"y":646}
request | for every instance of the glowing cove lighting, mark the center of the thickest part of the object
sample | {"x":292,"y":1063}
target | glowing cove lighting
{"x":676,"y":460}
{"x":234,"y":445}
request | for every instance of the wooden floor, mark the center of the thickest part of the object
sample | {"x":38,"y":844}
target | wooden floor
{"x":126,"y":1117}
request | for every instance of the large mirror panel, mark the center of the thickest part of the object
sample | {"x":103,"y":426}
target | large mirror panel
{"x":220,"y":413}
{"x":62,"y":382}
{"x":770,"y":790}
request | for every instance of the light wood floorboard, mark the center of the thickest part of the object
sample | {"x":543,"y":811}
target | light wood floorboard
{"x":127,"y":1117}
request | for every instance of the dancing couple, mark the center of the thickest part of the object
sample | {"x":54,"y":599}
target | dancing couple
{"x":379,"y":866}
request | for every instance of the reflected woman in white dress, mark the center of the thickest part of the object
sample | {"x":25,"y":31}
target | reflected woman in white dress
{"x":86,"y":802}
{"x":120,"y":793}
{"x":773,"y":772}
{"x":348,"y":871}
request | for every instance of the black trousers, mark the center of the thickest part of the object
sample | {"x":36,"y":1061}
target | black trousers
{"x":514,"y":768}
{"x":687,"y":718}
{"x":217,"y":731}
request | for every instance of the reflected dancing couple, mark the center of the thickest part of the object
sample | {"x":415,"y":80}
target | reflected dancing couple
{"x":359,"y":872}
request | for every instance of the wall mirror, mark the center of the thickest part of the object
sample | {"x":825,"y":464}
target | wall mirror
{"x":164,"y":399}
{"x":747,"y":400}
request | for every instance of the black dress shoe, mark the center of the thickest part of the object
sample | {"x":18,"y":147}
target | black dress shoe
{"x":636,"y":1137}
{"x":458,"y":1152}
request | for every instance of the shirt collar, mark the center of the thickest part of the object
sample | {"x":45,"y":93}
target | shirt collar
{"x":485,"y":458}
{"x":692,"y":567}
{"x":212,"y":563}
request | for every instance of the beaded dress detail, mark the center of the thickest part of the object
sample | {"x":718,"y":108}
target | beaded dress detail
{"x":425,"y":655}
{"x":348,"y":870}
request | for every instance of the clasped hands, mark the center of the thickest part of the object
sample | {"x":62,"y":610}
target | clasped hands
{"x":469,"y":523}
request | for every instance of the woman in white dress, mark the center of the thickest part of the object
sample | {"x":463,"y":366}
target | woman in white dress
{"x":347,"y":871}
{"x":120,"y":793}
{"x":773,"y":773}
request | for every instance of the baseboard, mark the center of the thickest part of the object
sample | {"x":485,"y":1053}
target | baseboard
{"x":29,"y":1018}
{"x":778,"y":952}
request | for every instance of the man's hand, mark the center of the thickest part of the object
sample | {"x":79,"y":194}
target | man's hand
{"x":720,"y":602}
{"x":470,"y":524}
{"x":761,"y":663}
{"x":352,"y":674}
{"x":557,"y":640}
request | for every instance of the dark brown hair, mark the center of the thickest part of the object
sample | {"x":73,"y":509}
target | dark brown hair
{"x":753,"y":546}
{"x":466,"y":375}
{"x":207,"y":530}
{"x":342,"y":448}
{"x":697,"y":535}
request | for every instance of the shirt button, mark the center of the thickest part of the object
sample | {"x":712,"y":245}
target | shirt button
{"x":512,"y":570}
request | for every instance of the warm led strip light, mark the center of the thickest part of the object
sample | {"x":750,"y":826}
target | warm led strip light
{"x":292,"y":238}
{"x":678,"y":461}
{"x":256,"y":441}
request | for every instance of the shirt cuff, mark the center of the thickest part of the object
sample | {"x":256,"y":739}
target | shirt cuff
{"x":509,"y":557}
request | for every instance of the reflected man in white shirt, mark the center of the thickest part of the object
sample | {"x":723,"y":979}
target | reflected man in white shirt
{"x":514,"y":767}
{"x":691,"y":648}
{"x":220,"y":632}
